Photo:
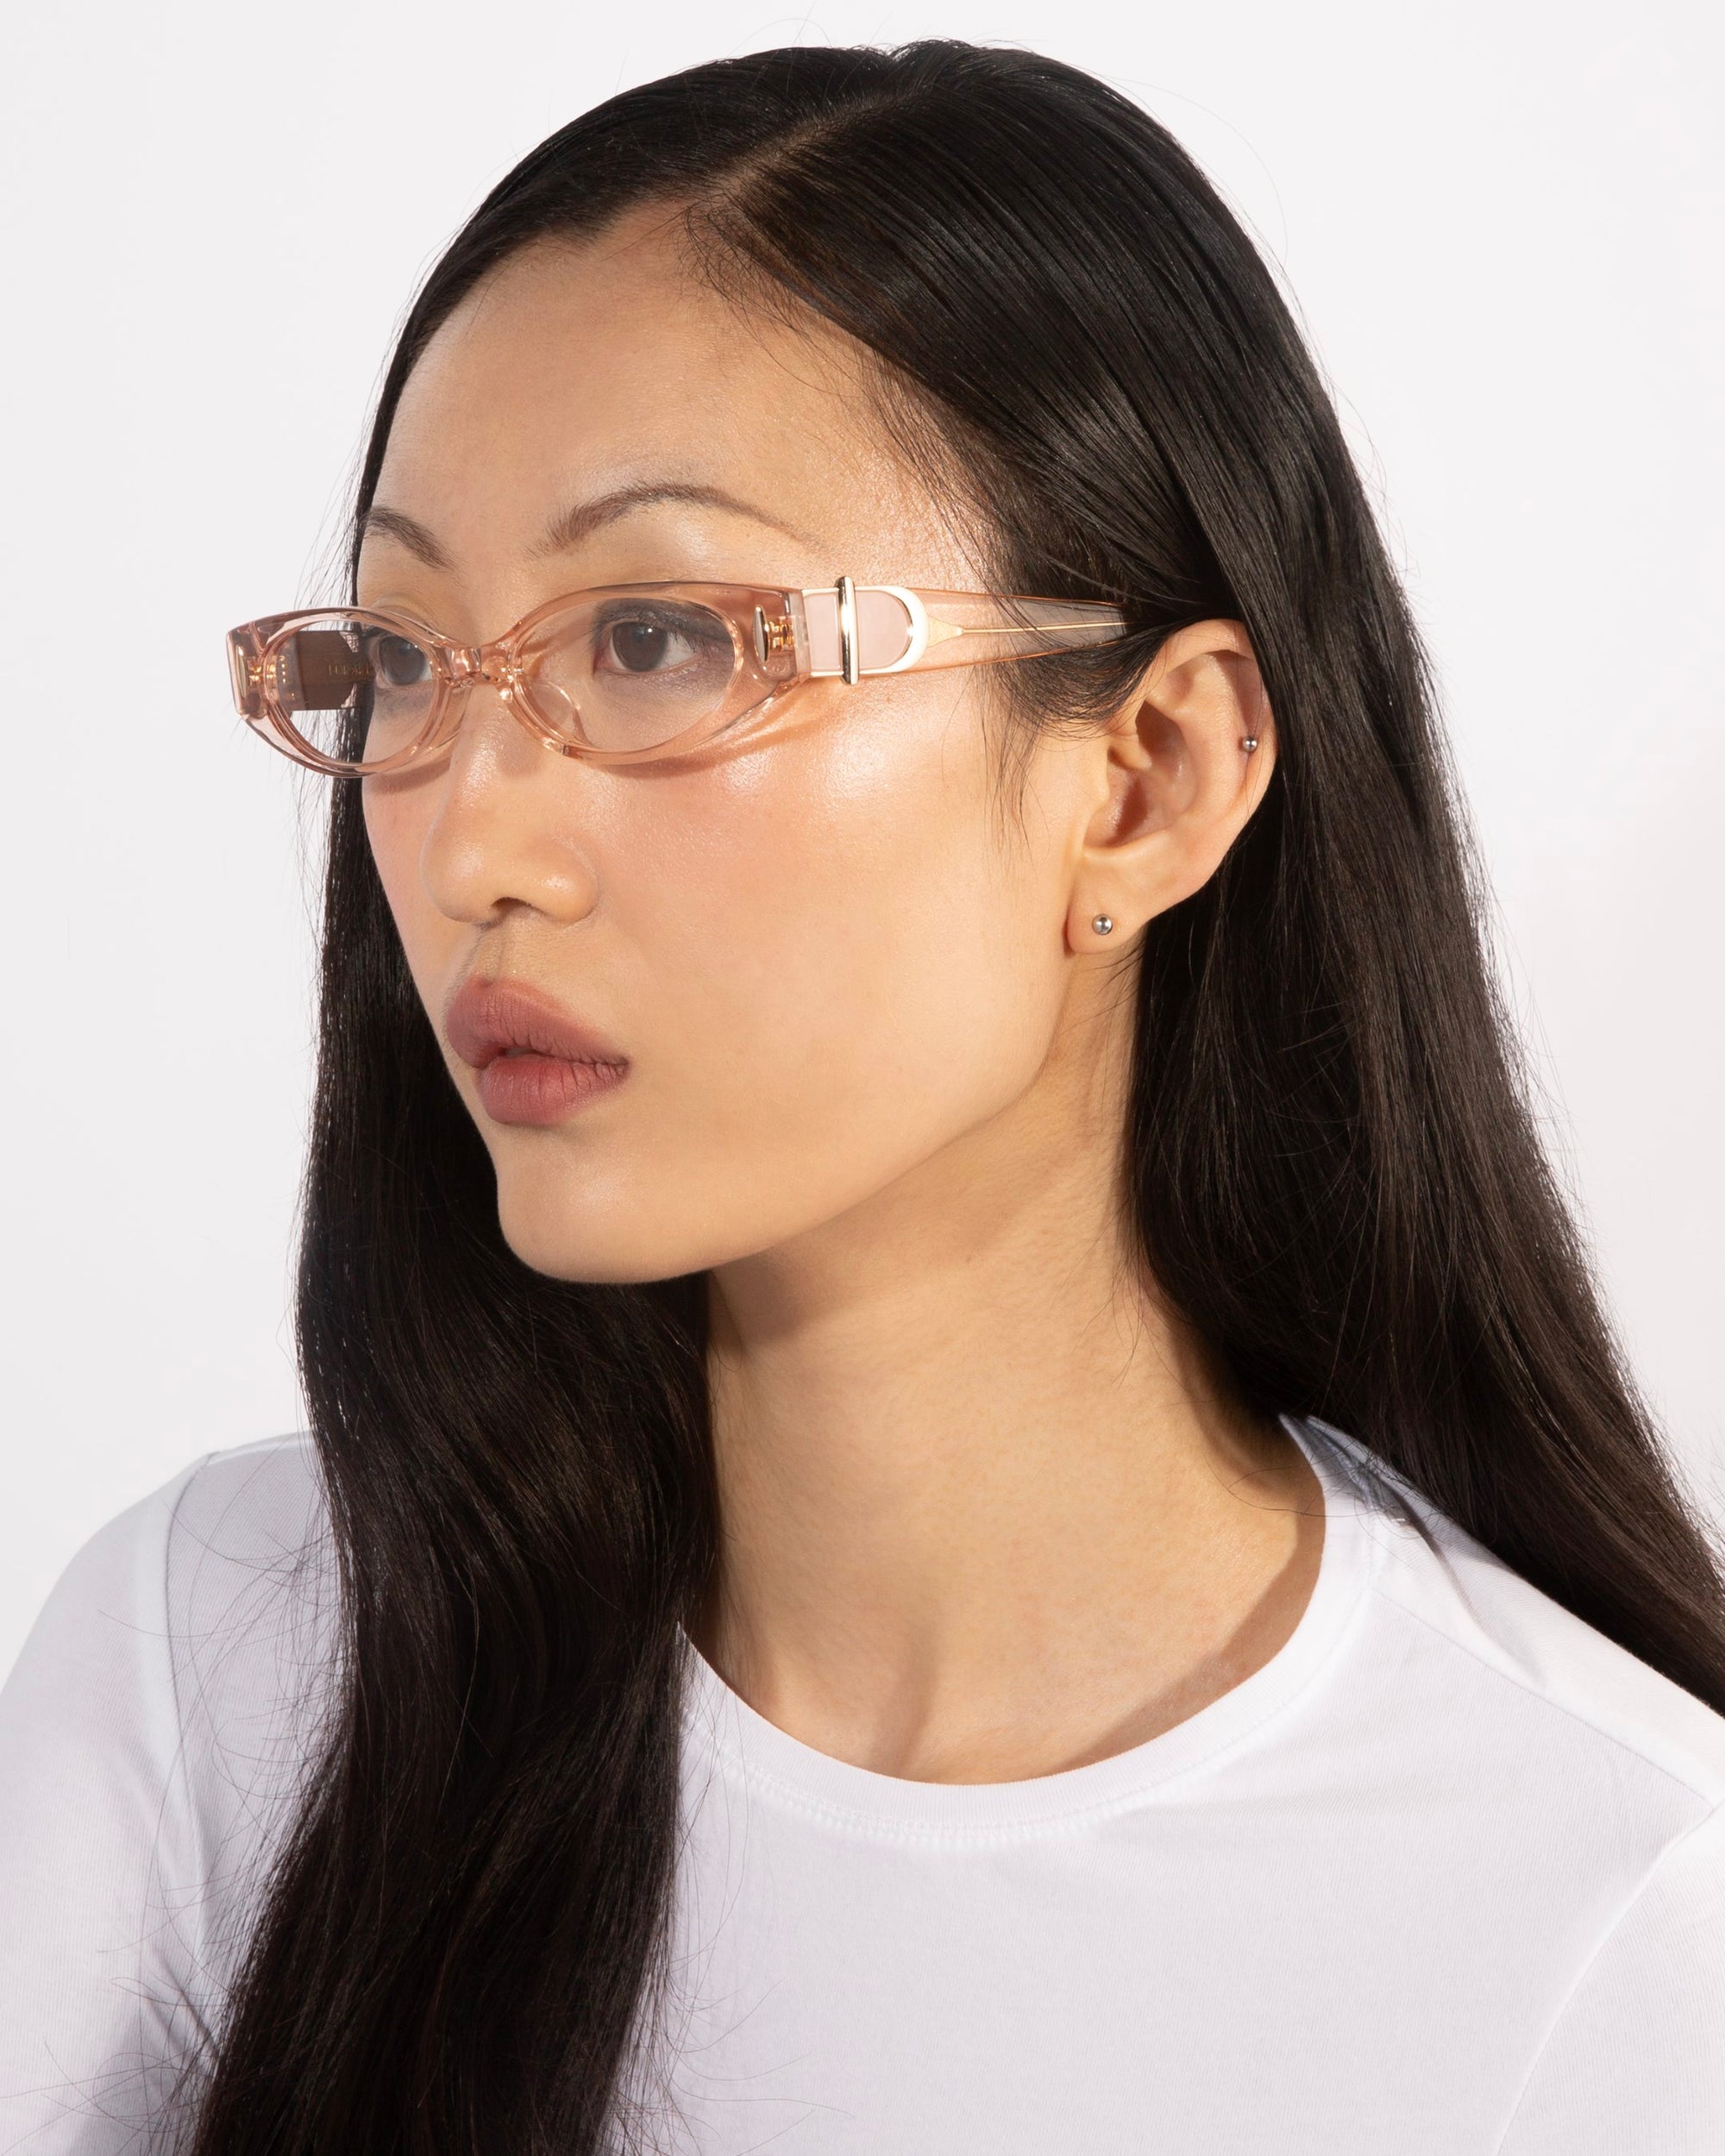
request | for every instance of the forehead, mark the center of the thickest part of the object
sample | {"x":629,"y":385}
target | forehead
{"x":576,"y":371}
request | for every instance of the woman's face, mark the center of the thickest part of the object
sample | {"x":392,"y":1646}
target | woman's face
{"x":827,"y":958}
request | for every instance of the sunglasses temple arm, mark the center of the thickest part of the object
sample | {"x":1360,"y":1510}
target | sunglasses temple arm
{"x":889,"y":629}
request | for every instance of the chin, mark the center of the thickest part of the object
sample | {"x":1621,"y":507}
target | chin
{"x":581,"y":1241}
{"x":614,"y":1216}
{"x":574,"y":1227}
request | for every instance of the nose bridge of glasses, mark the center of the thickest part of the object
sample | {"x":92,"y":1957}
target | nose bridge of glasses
{"x":498,"y":667}
{"x":471,"y":663}
{"x":494,"y":666}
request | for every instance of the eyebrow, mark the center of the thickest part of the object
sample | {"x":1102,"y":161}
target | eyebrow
{"x":407,"y":531}
{"x":569,"y":526}
{"x":581,"y":519}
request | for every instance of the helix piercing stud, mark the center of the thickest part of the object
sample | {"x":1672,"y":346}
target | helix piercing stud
{"x":1102,"y":924}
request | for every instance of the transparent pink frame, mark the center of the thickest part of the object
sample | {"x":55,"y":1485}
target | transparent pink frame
{"x":782,"y":639}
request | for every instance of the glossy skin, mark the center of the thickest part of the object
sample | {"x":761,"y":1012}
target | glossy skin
{"x":985,"y":1512}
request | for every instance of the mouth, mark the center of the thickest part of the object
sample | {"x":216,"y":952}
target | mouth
{"x":537,"y":1064}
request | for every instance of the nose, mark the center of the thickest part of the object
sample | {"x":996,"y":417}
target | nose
{"x":509,"y":825}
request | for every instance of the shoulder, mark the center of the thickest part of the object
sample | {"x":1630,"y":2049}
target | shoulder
{"x":222,"y":1570}
{"x":179,"y":1672}
{"x":249,"y":1592}
{"x":245,"y":1543}
{"x":1635,"y":2056}
{"x":1491,"y":1639}
{"x":153,"y":1736}
{"x":1567,"y":1803}
{"x":188,"y":1645}
{"x":235,"y":1543}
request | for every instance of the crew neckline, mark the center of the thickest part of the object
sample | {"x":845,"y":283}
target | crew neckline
{"x":743,"y":1745}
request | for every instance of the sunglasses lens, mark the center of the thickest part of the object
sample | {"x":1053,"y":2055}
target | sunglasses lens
{"x":633,"y":670}
{"x":353,"y":690}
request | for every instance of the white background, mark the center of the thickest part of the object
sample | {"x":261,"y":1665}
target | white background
{"x":1503,"y":225}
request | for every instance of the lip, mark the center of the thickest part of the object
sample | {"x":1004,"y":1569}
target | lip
{"x":537,"y":1063}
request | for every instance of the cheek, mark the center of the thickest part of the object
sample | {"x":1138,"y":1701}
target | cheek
{"x":844,"y":966}
{"x":397,"y":814}
{"x":825,"y":957}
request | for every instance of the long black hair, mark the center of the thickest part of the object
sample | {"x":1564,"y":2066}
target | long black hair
{"x":1331,"y":1165}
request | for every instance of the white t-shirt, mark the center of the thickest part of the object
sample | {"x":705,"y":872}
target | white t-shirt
{"x":1445,"y":1878}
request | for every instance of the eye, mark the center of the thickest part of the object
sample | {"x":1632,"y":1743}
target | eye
{"x":398,"y":663}
{"x":659,"y":639}
{"x":640,"y":646}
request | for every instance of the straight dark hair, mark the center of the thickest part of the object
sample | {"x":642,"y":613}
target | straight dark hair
{"x":1330,"y":1161}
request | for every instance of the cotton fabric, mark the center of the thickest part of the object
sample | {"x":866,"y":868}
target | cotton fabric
{"x":1445,"y":1878}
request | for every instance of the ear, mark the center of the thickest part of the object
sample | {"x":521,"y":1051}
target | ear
{"x":1171,"y":783}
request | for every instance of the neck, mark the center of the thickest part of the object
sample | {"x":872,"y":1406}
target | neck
{"x":985,"y":1511}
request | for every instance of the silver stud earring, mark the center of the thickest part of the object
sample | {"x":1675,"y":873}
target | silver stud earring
{"x":1249,"y":742}
{"x":1103,"y":925}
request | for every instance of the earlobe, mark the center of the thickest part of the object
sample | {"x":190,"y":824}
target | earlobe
{"x":1188,"y":760}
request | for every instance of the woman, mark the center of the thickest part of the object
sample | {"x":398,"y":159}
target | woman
{"x":965,"y":1489}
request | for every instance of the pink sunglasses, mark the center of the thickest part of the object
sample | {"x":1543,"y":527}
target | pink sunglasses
{"x":620,"y":675}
